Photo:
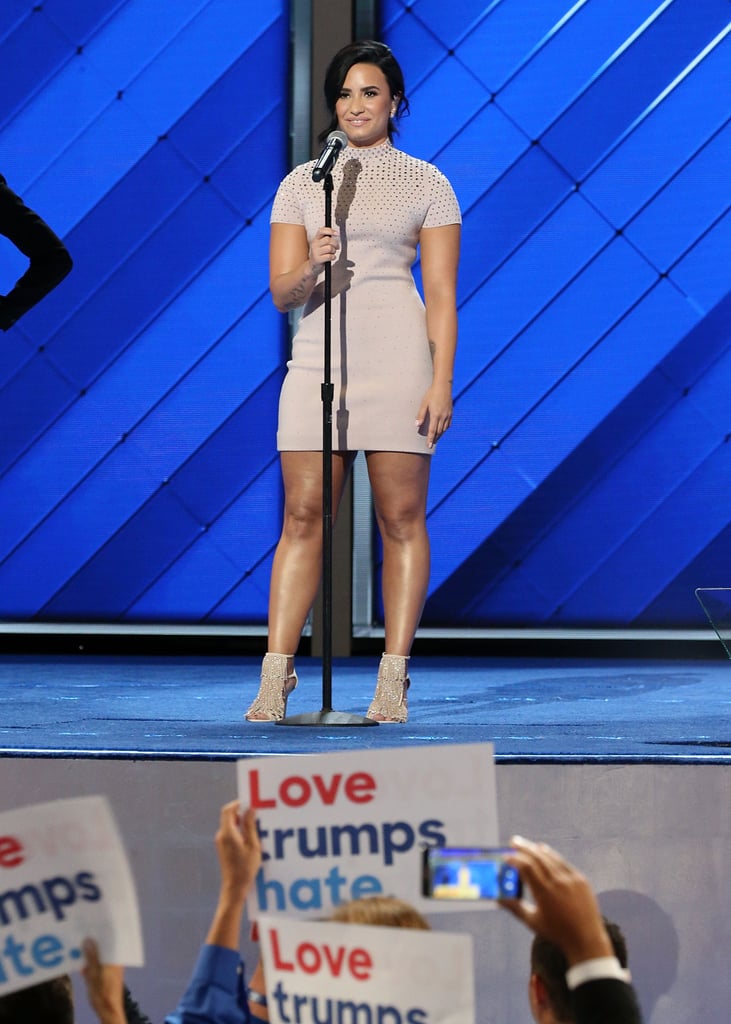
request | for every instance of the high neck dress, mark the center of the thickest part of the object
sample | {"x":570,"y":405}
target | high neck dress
{"x":381,"y":363}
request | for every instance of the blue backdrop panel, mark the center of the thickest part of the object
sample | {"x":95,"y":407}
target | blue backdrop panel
{"x":686,"y":207}
{"x":668,"y":136}
{"x":557,"y":74}
{"x":703,"y":272}
{"x":584,"y":481}
{"x":612,"y":101}
{"x":466,"y":157}
{"x":539,"y":270}
{"x":31,"y":49}
{"x":508,"y":213}
{"x":218,"y":574}
{"x":495,"y":49}
{"x":138,"y":476}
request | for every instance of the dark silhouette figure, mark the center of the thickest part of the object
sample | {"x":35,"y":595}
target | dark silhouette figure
{"x":49,"y":259}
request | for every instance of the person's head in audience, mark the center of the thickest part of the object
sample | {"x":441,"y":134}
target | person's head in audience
{"x":388,"y":911}
{"x":548,"y":992}
{"x":49,"y":1002}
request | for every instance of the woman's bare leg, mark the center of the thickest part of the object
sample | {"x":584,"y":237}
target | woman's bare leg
{"x":297,"y":565}
{"x":400,"y":481}
{"x":296,"y":572}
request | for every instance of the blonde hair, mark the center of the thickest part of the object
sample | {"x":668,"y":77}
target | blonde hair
{"x":380,"y":910}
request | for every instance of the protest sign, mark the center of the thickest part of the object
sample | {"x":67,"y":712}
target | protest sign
{"x":335,"y":827}
{"x":318,"y":972}
{"x":63,"y":876}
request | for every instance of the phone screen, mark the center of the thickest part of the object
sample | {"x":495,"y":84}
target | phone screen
{"x":462,"y":873}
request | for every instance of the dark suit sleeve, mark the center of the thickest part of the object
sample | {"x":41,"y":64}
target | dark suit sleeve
{"x":49,"y":258}
{"x":605,"y":1001}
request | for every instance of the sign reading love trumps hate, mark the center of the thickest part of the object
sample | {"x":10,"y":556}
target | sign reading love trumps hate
{"x":64,"y":876}
{"x":317,"y":971}
{"x":340,"y":826}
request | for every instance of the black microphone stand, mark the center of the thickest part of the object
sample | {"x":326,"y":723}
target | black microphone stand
{"x":326,"y":715}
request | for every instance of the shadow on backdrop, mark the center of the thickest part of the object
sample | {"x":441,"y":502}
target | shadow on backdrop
{"x":652,"y":943}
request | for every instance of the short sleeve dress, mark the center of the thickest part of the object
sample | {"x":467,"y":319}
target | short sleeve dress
{"x":380,"y":358}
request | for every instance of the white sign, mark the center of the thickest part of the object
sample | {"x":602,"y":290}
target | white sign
{"x":319,"y":971}
{"x":63,"y":876}
{"x":336,"y":827}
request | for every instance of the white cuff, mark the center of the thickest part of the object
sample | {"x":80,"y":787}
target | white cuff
{"x":591,"y":970}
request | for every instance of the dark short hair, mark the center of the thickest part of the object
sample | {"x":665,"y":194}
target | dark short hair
{"x":364,"y":51}
{"x":50,"y":1002}
{"x":549,"y":963}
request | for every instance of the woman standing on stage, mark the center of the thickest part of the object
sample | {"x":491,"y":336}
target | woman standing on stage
{"x":392,"y":362}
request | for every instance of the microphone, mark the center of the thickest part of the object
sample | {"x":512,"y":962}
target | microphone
{"x":331,"y":150}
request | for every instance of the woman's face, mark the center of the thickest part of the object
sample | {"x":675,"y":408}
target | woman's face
{"x":365,"y":105}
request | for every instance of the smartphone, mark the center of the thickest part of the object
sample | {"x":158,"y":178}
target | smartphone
{"x":469,"y":873}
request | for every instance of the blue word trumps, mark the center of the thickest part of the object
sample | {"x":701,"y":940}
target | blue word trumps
{"x":336,"y":845}
{"x":313,"y":892}
{"x":50,"y":896}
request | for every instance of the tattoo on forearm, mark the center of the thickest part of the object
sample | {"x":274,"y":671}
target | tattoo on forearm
{"x":299,"y":295}
{"x":433,"y":352}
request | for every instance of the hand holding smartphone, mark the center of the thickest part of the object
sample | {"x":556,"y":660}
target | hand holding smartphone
{"x":469,"y":873}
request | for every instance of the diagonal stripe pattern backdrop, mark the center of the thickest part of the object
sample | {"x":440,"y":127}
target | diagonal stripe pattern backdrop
{"x":138,"y":475}
{"x":587,"y":478}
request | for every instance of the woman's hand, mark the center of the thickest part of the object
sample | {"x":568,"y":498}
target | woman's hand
{"x":295,"y":263}
{"x":324,"y":248}
{"x":239,"y":849}
{"x":239,"y":857}
{"x":435,"y":412}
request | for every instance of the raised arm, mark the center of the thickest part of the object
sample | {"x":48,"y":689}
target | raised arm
{"x":566,"y":912}
{"x":239,"y":858}
{"x":215,"y":993}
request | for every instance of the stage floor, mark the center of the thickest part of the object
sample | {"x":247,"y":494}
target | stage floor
{"x":533,"y":710}
{"x":620,"y":763}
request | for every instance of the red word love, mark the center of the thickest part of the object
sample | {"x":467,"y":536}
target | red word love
{"x":298,"y":790}
{"x":312,"y":959}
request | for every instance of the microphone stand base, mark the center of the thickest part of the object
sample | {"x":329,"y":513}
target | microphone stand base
{"x":327,"y":717}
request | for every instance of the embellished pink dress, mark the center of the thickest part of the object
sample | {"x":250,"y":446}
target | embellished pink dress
{"x":381,"y":364}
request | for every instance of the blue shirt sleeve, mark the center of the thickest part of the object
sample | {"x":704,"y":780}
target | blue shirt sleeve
{"x":216,"y":993}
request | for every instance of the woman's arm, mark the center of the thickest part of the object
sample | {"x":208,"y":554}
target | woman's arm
{"x":239,"y":857}
{"x":294,"y":266}
{"x":104,"y":986}
{"x":439,"y":262}
{"x":215,"y":993}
